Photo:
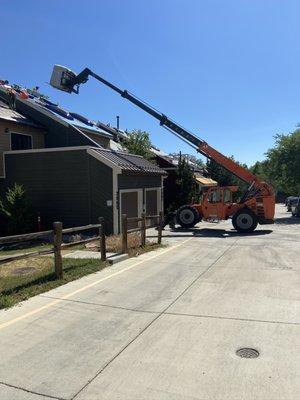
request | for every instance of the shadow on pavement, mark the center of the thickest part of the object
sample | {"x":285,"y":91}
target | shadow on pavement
{"x":207,"y":232}
{"x":287,"y":220}
{"x":211,"y":232}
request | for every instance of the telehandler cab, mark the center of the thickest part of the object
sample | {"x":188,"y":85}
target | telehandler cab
{"x":257,"y":204}
{"x":217,"y":204}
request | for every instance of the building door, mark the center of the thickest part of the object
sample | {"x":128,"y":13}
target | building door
{"x":131,"y":205}
{"x":153,"y":203}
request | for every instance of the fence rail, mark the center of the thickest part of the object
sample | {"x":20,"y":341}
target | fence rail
{"x":57,"y":237}
{"x":141,"y":229}
{"x":57,"y":233}
{"x":25,"y":237}
{"x":80,"y":228}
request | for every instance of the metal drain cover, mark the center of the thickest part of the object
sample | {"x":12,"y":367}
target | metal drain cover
{"x":246,"y":352}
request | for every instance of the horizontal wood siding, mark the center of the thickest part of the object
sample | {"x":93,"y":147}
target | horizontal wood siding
{"x":103,"y":141}
{"x":38,"y":141}
{"x":58,"y":135}
{"x":101,"y":190}
{"x":133,"y":181}
{"x":56,"y":182}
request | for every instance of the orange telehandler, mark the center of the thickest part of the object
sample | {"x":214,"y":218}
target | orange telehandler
{"x":257,"y":204}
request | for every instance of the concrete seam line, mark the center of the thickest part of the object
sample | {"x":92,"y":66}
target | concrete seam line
{"x":31,"y":391}
{"x":104,"y":305}
{"x":151,"y":322}
{"x":177,"y":314}
{"x":231,"y":318}
{"x":116,"y":356}
{"x":53,"y":303}
{"x":199,"y":276}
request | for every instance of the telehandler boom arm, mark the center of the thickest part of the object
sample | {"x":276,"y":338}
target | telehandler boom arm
{"x":69,"y":81}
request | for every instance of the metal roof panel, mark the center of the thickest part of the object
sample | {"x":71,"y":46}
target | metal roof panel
{"x":130,"y":162}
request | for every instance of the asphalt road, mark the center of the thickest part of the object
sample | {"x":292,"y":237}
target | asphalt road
{"x":167,"y":325}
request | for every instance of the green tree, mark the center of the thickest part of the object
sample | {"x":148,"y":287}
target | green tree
{"x":219,"y":174}
{"x":138,"y":142}
{"x":17,"y":210}
{"x":224,"y":177}
{"x":282,"y":164}
{"x":261,"y":170}
{"x":186,"y":187}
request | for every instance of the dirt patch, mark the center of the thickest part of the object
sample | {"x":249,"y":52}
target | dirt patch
{"x":25,"y":266}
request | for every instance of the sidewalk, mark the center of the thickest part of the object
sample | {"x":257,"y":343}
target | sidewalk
{"x":166,"y":325}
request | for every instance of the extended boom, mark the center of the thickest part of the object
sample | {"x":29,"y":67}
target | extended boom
{"x":259,"y":197}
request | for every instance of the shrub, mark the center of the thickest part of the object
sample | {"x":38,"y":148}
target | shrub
{"x":16,"y":209}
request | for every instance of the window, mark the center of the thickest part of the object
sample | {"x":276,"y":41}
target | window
{"x":227,"y":196}
{"x":214,"y":196}
{"x":20,"y":141}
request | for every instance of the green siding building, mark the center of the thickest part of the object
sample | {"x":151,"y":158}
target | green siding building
{"x":71,"y":174}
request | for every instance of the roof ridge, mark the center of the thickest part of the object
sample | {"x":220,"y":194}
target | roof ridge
{"x":123,"y":152}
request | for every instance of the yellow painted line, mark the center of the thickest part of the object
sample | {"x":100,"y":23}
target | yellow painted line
{"x":67,"y":296}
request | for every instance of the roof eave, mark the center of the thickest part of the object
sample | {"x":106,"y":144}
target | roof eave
{"x":15,"y":121}
{"x":141,"y":172}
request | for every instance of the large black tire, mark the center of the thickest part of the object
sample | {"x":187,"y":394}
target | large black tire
{"x":187,"y":216}
{"x":244,"y":221}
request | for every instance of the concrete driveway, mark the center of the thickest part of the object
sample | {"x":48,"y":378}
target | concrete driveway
{"x":167,"y":325}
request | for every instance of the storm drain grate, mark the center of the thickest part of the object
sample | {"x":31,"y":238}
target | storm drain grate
{"x":247,"y":353}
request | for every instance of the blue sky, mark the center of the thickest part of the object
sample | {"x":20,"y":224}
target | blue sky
{"x":226,"y":70}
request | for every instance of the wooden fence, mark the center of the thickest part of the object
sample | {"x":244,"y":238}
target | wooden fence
{"x":57,"y":235}
{"x":58,"y":245}
{"x":141,"y":228}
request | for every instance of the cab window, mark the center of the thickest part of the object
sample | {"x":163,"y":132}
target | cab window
{"x":214,"y":196}
{"x":227,"y":196}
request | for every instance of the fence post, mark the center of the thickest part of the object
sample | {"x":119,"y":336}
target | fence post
{"x":57,"y":239}
{"x":143,"y":230}
{"x":124,"y":234}
{"x":102,"y":238}
{"x":160,"y":224}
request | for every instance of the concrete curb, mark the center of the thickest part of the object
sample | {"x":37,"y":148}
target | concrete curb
{"x":117,"y":258}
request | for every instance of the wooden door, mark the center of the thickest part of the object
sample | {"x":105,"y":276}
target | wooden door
{"x":152,"y":206}
{"x":130,"y":206}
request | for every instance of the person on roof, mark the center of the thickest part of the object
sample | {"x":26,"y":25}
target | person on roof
{"x":11,"y":98}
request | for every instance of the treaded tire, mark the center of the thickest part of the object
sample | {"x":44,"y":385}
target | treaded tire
{"x":187,"y":216}
{"x":244,"y":221}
